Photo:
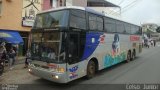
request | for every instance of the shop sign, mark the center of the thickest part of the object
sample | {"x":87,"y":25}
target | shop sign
{"x":29,"y":11}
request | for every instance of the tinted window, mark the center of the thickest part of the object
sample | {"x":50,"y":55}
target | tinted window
{"x":140,"y":31}
{"x":73,"y":49}
{"x":50,"y":46}
{"x":52,"y":19}
{"x":132,"y":29}
{"x":95,"y":22}
{"x":135,"y":30}
{"x":78,"y":13}
{"x":110,"y":25}
{"x":99,"y":23}
{"x":120,"y":27}
{"x":77,"y":19}
{"x":92,"y":22}
{"x":127,"y":28}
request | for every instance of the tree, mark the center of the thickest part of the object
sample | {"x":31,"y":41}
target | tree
{"x":158,"y":29}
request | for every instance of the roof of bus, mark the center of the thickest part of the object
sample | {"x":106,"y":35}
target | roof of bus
{"x":84,"y":9}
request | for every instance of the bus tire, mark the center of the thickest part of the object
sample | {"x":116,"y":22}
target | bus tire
{"x":133,"y":54}
{"x":128,"y":56}
{"x":91,"y":69}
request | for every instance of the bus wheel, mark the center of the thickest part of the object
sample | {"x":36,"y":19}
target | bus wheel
{"x":91,"y":69}
{"x":133,"y":54}
{"x":128,"y":56}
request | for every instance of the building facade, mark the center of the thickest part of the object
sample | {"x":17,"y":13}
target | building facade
{"x":48,"y":4}
{"x":105,"y":7}
{"x":18,"y":15}
{"x":149,"y":29}
{"x":101,"y":6}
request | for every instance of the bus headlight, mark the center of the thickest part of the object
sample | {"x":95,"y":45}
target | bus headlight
{"x":29,"y":70}
{"x":55,"y":76}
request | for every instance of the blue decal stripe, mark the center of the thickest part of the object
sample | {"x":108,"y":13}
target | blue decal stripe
{"x":92,"y":41}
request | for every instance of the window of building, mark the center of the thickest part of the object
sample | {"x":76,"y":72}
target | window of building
{"x":54,"y":3}
{"x":78,"y":19}
{"x":0,"y":7}
{"x":60,"y":2}
{"x":69,"y":2}
{"x":110,"y":25}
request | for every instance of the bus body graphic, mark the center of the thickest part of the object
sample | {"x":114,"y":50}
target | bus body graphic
{"x":110,"y":60}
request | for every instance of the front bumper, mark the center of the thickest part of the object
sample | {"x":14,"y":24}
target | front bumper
{"x":49,"y":75}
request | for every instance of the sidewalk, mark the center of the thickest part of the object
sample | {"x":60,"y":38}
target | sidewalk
{"x":18,"y":75}
{"x":19,"y":64}
{"x":20,"y":60}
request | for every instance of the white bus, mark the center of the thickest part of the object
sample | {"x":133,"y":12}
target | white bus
{"x":71,"y":42}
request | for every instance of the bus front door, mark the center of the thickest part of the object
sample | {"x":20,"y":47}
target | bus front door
{"x":73,"y":56}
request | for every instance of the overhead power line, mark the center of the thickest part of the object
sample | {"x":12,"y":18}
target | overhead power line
{"x":118,"y":5}
{"x":130,"y":5}
{"x":121,"y":2}
{"x":127,"y":7}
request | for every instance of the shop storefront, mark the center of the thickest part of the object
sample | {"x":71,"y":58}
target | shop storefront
{"x":12,"y":38}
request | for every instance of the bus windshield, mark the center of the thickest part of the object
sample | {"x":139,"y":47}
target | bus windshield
{"x":52,"y":19}
{"x":47,"y":47}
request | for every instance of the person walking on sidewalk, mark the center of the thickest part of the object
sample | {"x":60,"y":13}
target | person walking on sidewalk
{"x":28,"y":55}
{"x":12,"y":55}
{"x":2,"y":52}
{"x":2,"y":57}
{"x":154,"y":43}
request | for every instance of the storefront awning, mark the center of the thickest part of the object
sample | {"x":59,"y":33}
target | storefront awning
{"x":11,"y":37}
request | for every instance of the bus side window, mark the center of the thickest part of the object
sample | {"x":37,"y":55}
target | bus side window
{"x":110,"y":25}
{"x":78,"y":19}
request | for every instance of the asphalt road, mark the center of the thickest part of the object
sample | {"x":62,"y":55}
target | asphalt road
{"x":145,"y":69}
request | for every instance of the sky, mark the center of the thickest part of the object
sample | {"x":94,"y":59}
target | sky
{"x":139,"y":11}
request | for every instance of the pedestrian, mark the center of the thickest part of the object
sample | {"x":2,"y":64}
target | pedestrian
{"x":2,"y":57}
{"x":3,"y":52}
{"x":28,"y":56}
{"x":12,"y":55}
{"x":51,"y":54}
{"x":148,"y":43}
{"x":154,"y":43}
{"x":142,"y":43}
{"x":15,"y":48}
